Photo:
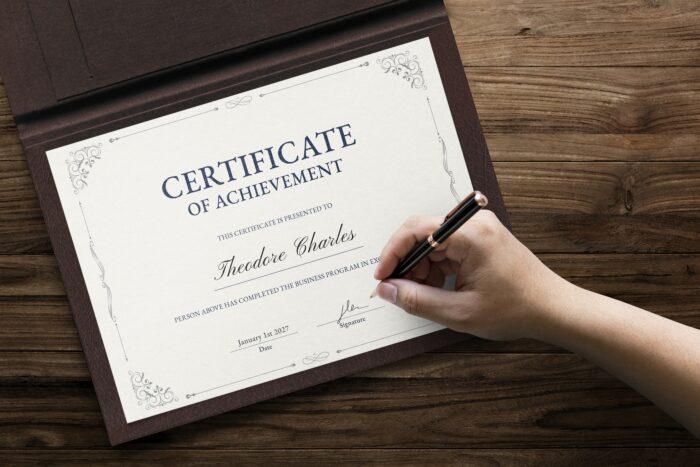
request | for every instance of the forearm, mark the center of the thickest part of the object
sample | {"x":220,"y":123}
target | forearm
{"x":658,"y":357}
{"x":504,"y":292}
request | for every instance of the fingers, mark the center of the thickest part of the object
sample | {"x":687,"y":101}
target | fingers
{"x":448,"y":256}
{"x":436,"y":278}
{"x":428,"y":302}
{"x":420,"y":272}
{"x":414,"y":230}
{"x":482,"y":228}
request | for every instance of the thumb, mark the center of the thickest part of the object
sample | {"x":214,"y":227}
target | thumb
{"x":417,"y":299}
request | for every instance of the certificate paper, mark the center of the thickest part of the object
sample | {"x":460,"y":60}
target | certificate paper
{"x":233,"y":243}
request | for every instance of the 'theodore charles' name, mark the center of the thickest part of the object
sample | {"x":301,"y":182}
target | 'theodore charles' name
{"x":303,"y":245}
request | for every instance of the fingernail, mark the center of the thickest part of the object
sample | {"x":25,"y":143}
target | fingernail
{"x":387,"y":291}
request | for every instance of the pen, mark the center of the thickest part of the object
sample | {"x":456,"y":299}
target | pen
{"x":453,"y":221}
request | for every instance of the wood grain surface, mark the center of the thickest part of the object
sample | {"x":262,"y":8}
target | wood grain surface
{"x":591,"y":111}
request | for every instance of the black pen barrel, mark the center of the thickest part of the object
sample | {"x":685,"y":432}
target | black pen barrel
{"x":455,"y":222}
{"x":409,"y":262}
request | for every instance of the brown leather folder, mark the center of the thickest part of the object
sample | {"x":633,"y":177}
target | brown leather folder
{"x":78,"y":68}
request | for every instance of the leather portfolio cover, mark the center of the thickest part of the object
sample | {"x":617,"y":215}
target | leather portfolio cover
{"x":78,"y":68}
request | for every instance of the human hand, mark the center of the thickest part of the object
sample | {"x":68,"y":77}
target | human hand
{"x":502,"y":290}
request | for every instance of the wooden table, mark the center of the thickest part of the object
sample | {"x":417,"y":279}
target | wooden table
{"x":592,"y":114}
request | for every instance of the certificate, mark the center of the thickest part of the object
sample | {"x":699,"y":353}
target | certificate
{"x":232,"y":244}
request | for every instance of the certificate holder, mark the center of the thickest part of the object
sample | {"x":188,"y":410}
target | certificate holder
{"x":77,"y":70}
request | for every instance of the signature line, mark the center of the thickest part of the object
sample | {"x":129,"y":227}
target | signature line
{"x":287,"y":269}
{"x":349,"y":316}
{"x":264,"y":342}
{"x":382,"y":338}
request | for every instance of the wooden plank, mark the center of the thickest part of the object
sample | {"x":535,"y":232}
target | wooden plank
{"x":562,"y":207}
{"x":586,"y":147}
{"x":437,"y":401}
{"x":37,"y":368}
{"x":37,"y":324}
{"x":665,"y":284}
{"x":542,"y":231}
{"x":26,"y":275}
{"x":527,"y":48}
{"x":587,"y":100}
{"x":603,"y":207}
{"x":601,"y":188}
{"x":7,"y":122}
{"x":571,"y":457}
{"x":581,"y":33}
{"x":561,"y":18}
{"x":10,"y":147}
{"x":22,"y":227}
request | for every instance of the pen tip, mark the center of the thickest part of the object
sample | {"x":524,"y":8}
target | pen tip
{"x":373,"y":294}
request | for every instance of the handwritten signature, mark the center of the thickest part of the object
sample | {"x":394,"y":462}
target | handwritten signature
{"x":348,"y":307}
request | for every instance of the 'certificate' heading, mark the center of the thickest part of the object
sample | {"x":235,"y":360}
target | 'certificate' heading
{"x":287,"y":153}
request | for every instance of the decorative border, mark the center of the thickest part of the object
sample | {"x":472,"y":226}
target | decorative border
{"x":445,"y":164}
{"x":361,"y":65}
{"x":80,"y":162}
{"x":148,"y":394}
{"x":315,"y":358}
{"x":103,"y":282}
{"x":195,"y":394}
{"x":237,"y":101}
{"x":230,"y":104}
{"x":406,"y":67}
{"x":114,"y":139}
